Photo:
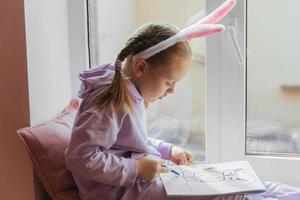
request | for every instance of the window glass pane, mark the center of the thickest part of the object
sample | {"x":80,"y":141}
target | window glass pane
{"x":273,"y":77}
{"x":179,"y":118}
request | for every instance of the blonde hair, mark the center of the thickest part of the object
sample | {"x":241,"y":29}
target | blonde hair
{"x":143,"y":38}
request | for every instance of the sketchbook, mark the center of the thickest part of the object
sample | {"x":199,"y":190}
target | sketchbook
{"x":211,"y":179}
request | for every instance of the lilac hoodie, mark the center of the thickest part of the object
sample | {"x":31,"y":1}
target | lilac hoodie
{"x":104,"y":147}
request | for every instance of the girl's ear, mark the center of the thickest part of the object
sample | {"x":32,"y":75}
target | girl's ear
{"x":139,"y":67}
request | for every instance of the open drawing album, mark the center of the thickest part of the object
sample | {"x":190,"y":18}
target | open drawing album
{"x":211,"y":179}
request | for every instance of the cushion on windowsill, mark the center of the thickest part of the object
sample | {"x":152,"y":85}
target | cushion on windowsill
{"x":45,"y":144}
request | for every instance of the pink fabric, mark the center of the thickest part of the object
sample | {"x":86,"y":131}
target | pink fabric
{"x":45,"y":144}
{"x":212,"y":31}
{"x":219,"y":13}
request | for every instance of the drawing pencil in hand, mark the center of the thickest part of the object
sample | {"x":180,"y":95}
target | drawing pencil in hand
{"x":172,"y":170}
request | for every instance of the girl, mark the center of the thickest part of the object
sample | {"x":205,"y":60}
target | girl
{"x":110,"y":155}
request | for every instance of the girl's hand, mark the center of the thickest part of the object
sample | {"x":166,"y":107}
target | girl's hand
{"x":180,"y":156}
{"x":148,"y":169}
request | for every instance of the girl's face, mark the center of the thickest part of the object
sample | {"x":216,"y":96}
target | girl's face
{"x":157,"y":82}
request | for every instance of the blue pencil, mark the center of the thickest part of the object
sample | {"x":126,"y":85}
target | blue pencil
{"x":172,"y":170}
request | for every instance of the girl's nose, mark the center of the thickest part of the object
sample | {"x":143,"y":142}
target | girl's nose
{"x":171,"y":89}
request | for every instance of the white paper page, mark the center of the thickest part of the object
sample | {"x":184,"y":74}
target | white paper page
{"x":211,"y":179}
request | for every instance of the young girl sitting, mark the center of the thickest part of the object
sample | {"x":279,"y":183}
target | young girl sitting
{"x":110,"y":155}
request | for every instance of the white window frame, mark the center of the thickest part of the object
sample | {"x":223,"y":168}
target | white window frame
{"x":78,"y":41}
{"x":226,"y":105}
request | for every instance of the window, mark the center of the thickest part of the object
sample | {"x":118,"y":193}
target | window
{"x":254,"y":67}
{"x":273,"y":78}
{"x":179,"y":118}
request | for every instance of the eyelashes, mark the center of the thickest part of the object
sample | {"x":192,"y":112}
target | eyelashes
{"x":170,"y":83}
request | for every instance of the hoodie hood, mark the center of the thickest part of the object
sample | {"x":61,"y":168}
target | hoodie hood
{"x":94,"y":78}
{"x":99,"y":77}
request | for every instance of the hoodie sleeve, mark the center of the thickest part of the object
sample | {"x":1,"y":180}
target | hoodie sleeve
{"x":162,"y":147}
{"x":87,"y":155}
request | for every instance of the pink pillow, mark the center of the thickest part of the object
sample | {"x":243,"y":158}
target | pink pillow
{"x":45,"y":144}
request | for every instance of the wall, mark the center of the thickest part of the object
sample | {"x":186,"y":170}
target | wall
{"x":16,"y":181}
{"x":35,"y":82}
{"x":48,"y":58}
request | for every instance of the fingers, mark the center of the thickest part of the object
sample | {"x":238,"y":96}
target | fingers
{"x":189,"y":157}
{"x":181,"y":156}
{"x":163,"y":169}
{"x":161,"y":162}
{"x":160,"y":168}
{"x":183,"y":159}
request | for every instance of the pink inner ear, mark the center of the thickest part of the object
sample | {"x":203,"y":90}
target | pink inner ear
{"x":204,"y":34}
{"x":219,"y":13}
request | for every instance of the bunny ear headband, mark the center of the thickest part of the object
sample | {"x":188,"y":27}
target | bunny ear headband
{"x":204,"y":27}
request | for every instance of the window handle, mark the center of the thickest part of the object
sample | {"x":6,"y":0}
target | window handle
{"x":232,"y":35}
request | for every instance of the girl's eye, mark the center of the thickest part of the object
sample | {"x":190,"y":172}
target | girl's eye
{"x":171,"y":83}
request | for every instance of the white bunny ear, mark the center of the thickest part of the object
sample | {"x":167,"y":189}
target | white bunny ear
{"x":196,"y":30}
{"x":202,"y":28}
{"x":199,"y":30}
{"x":219,"y":13}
